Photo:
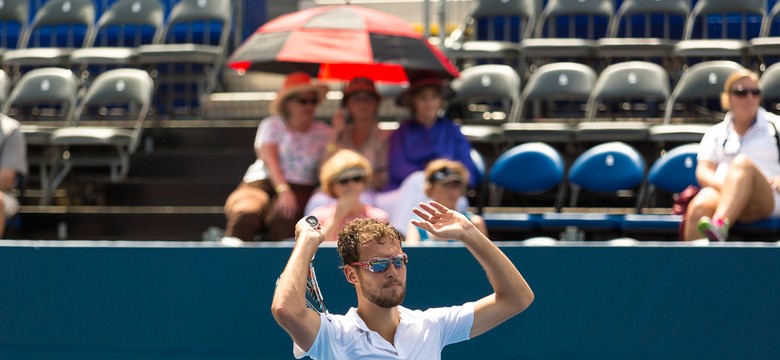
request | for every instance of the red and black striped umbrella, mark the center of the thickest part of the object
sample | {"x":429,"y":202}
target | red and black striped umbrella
{"x":340,"y":42}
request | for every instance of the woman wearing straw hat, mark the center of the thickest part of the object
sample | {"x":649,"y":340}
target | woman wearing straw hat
{"x":290,"y":146}
{"x":345,"y":176}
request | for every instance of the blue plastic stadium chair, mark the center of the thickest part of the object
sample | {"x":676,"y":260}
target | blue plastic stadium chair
{"x":671,"y":173}
{"x":527,"y":169}
{"x":605,"y":168}
{"x":676,"y":170}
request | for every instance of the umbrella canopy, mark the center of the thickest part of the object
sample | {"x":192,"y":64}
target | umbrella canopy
{"x":341,"y":42}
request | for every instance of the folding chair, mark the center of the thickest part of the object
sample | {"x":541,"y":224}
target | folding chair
{"x":607,"y":171}
{"x":564,"y":89}
{"x":707,"y":14}
{"x":697,"y":93}
{"x":500,"y":40}
{"x":637,"y":85}
{"x":115,"y":38}
{"x":529,"y":169}
{"x":120,"y":94}
{"x":59,"y":27}
{"x":48,"y":96}
{"x":579,"y":42}
{"x":485,"y":97}
{"x":766,"y":46}
{"x":190,"y":56}
{"x":646,"y":40}
{"x":13,"y":24}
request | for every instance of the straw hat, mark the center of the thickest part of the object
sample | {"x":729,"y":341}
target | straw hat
{"x":296,"y":83}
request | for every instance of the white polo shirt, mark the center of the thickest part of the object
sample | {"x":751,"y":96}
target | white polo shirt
{"x":721,"y":144}
{"x":420,"y":335}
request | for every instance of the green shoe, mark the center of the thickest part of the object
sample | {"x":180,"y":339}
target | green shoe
{"x":712,"y":230}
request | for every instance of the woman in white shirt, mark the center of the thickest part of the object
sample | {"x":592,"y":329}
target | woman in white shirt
{"x":290,"y":147}
{"x":738,"y":164}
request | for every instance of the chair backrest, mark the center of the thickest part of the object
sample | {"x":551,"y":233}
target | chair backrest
{"x":606,"y":168}
{"x":53,"y":16}
{"x":54,"y":88}
{"x":488,"y":84}
{"x":498,"y":16}
{"x":769,"y":20}
{"x":206,"y":12}
{"x":557,"y":81}
{"x":135,"y":22}
{"x":701,"y":81}
{"x":650,"y":11}
{"x":630,"y":80}
{"x":528,"y":168}
{"x":705,"y":9}
{"x":129,"y":90}
{"x":675,"y":170}
{"x":769,"y":83}
{"x":592,"y":10}
{"x":13,"y":22}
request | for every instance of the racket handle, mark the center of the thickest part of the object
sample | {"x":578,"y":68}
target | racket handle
{"x":313,"y":222}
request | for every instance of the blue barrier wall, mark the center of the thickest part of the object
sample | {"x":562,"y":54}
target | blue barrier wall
{"x":156,"y":302}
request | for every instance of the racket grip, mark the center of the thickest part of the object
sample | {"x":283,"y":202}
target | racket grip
{"x":313,"y":222}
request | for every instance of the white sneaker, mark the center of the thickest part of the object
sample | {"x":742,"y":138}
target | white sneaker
{"x":231,"y":241}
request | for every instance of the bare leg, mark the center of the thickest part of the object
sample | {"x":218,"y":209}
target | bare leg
{"x":744,"y":184}
{"x":2,"y":217}
{"x":703,"y":204}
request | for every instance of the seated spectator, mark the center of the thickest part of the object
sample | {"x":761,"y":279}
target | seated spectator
{"x":738,"y":164}
{"x":13,"y":165}
{"x":344,"y":176}
{"x":358,"y":130}
{"x":290,"y":146}
{"x":445,"y":183}
{"x":425,"y":136}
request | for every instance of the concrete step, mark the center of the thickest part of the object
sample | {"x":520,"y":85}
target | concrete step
{"x":229,"y":164}
{"x":170,"y":191}
{"x":168,"y":223}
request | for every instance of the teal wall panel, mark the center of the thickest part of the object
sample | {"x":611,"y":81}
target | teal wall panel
{"x":201,"y":302}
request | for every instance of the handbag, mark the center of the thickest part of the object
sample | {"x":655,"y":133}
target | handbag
{"x":680,"y":205}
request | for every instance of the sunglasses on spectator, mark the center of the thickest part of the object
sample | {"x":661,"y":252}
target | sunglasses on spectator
{"x":357,"y":179}
{"x":741,"y":92}
{"x":306,"y":101}
{"x":380,"y":265}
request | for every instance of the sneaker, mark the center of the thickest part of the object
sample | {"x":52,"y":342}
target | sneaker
{"x":714,"y":230}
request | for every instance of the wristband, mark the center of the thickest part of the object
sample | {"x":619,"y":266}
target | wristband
{"x":282,"y":188}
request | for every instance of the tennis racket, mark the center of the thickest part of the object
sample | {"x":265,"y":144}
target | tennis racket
{"x":314,"y":299}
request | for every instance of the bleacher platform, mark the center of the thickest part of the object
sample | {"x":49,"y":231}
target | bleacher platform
{"x":574,"y":94}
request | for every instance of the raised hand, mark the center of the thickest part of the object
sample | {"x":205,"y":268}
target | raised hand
{"x":305,"y":231}
{"x":442,"y":222}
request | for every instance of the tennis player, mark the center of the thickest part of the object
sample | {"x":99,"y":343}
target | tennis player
{"x":374,"y":262}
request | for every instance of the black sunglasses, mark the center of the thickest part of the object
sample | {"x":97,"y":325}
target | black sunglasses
{"x":744,"y":92}
{"x":306,"y":101}
{"x":349,"y":180}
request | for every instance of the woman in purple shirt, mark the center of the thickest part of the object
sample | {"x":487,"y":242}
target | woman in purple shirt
{"x":426,"y":135}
